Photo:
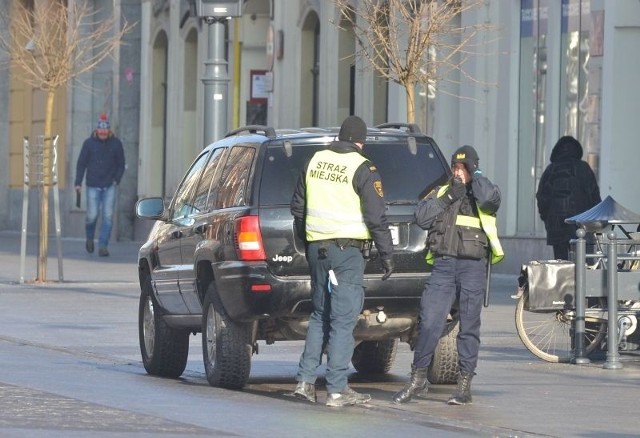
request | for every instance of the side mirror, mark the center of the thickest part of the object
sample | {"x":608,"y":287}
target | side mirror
{"x":150,"y":208}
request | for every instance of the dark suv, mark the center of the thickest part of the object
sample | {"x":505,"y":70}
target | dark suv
{"x":223,"y":259}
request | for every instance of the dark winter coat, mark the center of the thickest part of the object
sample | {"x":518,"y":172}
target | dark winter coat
{"x":101,"y":160}
{"x":568,"y":186}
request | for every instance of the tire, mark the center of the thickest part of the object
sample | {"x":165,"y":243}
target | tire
{"x":374,"y":357}
{"x":549,"y":335}
{"x":444,"y":364}
{"x":226,"y":345}
{"x":164,"y":349}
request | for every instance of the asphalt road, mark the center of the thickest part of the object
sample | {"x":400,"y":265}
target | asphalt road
{"x":70,"y":366}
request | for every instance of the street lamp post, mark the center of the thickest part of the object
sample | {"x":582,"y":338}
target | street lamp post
{"x":216,"y":82}
{"x":215,"y":13}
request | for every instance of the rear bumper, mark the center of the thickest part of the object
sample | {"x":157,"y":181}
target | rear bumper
{"x":368,"y":328}
{"x":291,"y":296}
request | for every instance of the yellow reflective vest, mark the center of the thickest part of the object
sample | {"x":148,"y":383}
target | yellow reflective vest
{"x":485,"y":221}
{"x":333,"y":206}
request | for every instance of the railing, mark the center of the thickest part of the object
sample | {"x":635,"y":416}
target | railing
{"x":609,"y":280}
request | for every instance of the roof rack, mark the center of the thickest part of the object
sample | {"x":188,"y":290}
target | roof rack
{"x":267,"y":130}
{"x":410,"y":127}
{"x":307,"y":130}
{"x":316,"y":130}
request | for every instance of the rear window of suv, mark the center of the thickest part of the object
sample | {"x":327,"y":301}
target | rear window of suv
{"x":407,"y":172}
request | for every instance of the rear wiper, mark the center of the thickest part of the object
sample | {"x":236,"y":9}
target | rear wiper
{"x":403,"y":202}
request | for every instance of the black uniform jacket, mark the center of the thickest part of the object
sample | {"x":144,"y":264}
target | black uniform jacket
{"x":481,"y":190}
{"x":364,"y":183}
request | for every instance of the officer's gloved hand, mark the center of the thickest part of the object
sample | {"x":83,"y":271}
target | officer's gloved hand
{"x":299,"y":227}
{"x":457,"y":190}
{"x":388,"y":267}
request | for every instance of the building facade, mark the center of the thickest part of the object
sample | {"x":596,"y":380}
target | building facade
{"x":113,"y":87}
{"x":550,"y":68}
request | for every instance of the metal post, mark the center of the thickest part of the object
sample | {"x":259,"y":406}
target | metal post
{"x":216,"y":82}
{"x":580,"y":272}
{"x":56,"y":205}
{"x":613,"y":356}
{"x":25,"y":207}
{"x":33,"y":174}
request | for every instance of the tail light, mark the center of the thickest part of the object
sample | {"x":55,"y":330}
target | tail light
{"x":249,"y":239}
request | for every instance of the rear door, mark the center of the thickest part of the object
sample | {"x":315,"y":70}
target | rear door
{"x":279,"y":173}
{"x":199,"y":226}
{"x":410,"y":168}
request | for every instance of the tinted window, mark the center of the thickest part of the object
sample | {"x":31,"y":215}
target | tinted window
{"x":280,"y":173}
{"x":407,"y":173}
{"x":207,"y":191}
{"x":182,"y":204}
{"x":235,"y":178}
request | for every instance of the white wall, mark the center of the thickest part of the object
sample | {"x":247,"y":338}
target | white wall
{"x":620,"y":149}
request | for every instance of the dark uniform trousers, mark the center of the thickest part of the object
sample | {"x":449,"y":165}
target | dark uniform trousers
{"x":452,"y":278}
{"x":335,"y":313}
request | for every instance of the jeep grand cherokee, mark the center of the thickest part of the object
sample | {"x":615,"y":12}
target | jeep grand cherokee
{"x":223,"y":260}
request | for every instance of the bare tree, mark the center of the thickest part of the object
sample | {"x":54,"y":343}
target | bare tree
{"x":412,"y":42}
{"x":49,"y":44}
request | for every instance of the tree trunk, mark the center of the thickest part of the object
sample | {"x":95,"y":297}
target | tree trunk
{"x":47,"y":167}
{"x":410,"y":89}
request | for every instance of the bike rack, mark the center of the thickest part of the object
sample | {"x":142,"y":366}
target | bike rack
{"x":592,"y":282}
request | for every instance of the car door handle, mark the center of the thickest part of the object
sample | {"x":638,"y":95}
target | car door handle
{"x":201,"y":229}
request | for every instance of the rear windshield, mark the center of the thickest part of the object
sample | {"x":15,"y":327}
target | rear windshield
{"x":407,"y":173}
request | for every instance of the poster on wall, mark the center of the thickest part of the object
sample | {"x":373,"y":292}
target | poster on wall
{"x":258,"y":98}
{"x":259,"y":86}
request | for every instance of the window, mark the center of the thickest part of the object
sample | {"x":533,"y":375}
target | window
{"x":280,"y":173}
{"x":235,"y":178}
{"x":531,"y":123}
{"x":207,"y":191}
{"x":407,"y":173}
{"x":548,"y":28}
{"x":581,"y":71}
{"x":182,"y":205}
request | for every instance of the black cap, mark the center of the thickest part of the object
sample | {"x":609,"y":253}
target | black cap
{"x":467,"y":155}
{"x":353,"y":129}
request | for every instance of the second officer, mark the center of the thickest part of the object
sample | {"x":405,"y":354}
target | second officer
{"x":460,"y":217}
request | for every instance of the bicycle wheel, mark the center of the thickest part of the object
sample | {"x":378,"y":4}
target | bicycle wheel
{"x":549,"y":335}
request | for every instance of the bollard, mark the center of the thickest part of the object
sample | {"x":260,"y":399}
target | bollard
{"x":579,"y":356}
{"x":613,"y":356}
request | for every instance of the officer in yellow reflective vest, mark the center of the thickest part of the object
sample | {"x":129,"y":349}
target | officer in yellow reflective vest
{"x":460,"y":218}
{"x":338,"y":205}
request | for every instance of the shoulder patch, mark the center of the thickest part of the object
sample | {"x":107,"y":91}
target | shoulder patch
{"x":377,"y":185}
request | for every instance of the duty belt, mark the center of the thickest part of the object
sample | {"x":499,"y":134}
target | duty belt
{"x":363,"y":245}
{"x":342,"y":243}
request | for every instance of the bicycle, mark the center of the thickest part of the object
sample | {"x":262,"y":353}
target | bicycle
{"x":545,"y":317}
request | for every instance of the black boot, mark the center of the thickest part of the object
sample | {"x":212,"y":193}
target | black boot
{"x":462,"y":396}
{"x":418,"y":386}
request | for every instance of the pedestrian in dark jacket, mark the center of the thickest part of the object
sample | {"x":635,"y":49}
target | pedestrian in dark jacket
{"x":568,"y":187}
{"x":102,"y":160}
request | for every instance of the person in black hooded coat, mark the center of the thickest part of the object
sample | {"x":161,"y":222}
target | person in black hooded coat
{"x":568,"y":187}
